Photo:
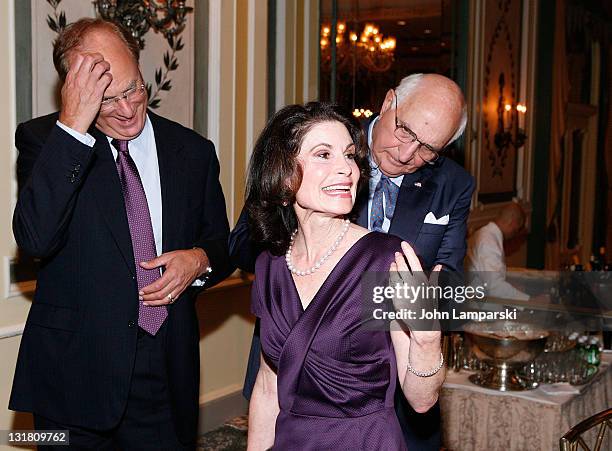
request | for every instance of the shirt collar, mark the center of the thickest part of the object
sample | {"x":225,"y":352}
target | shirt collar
{"x":143,"y":136}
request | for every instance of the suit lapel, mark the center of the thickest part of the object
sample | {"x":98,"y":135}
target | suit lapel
{"x":361,"y":208}
{"x":413,"y":203}
{"x":107,"y":187}
{"x":361,"y":203}
{"x":169,"y":159}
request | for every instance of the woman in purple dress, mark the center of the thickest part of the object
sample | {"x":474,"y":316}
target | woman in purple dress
{"x":326,"y":382}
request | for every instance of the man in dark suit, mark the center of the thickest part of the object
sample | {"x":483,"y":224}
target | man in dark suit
{"x":424,"y":196}
{"x":125,"y":210}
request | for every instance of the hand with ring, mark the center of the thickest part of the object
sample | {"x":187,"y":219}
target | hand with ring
{"x":180,"y":270}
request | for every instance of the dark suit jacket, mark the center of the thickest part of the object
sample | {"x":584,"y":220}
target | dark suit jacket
{"x":77,"y":350}
{"x":445,"y":189}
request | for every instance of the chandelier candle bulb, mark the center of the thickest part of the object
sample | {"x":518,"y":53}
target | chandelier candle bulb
{"x":371,"y":49}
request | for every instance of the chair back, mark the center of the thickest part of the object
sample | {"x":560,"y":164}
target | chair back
{"x":574,"y":437}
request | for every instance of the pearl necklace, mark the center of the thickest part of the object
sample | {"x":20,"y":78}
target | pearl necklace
{"x":318,"y":264}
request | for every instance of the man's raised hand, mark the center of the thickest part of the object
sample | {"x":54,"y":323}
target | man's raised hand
{"x":83,"y":89}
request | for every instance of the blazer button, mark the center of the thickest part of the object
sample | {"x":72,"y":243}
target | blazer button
{"x":130,"y":323}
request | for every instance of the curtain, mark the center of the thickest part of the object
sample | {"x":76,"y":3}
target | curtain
{"x":560,"y":96}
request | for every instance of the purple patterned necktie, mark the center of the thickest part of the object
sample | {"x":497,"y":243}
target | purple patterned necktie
{"x":141,"y":231}
{"x":390,"y":190}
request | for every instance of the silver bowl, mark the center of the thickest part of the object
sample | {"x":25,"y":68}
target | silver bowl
{"x":505,"y":347}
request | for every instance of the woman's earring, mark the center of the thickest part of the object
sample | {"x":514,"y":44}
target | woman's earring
{"x":285,"y":203}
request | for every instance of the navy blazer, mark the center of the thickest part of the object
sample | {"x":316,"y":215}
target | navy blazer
{"x":78,"y":347}
{"x":444,"y":188}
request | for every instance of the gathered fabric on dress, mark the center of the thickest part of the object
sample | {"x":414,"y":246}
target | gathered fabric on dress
{"x":336,"y":377}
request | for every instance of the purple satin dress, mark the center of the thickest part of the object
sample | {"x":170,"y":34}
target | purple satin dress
{"x":336,"y":381}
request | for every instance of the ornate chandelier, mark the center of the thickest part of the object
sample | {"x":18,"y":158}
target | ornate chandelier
{"x":164,"y":16}
{"x":167,"y":17}
{"x":370,"y":49}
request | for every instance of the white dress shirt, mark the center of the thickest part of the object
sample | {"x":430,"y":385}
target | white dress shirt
{"x":486,"y":257}
{"x":144,"y":153}
{"x":375,"y":178}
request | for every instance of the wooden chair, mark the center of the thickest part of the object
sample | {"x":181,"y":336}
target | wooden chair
{"x":573,"y":438}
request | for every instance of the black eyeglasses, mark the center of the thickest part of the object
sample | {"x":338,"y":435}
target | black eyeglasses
{"x":403,"y":133}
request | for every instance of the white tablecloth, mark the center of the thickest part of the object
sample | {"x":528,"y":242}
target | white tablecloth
{"x":477,"y":418}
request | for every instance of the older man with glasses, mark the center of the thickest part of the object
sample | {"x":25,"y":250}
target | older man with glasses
{"x":415,"y":193}
{"x":419,"y":195}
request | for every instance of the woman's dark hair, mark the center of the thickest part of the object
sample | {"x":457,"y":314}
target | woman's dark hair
{"x":274,"y":173}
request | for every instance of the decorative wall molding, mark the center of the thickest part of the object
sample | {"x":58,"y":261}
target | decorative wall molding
{"x":214,"y":73}
{"x":281,"y":53}
{"x":256,"y":112}
{"x":476,"y":149}
{"x":498,"y":156}
{"x":216,"y":408}
{"x":310,"y":90}
{"x":11,"y":331}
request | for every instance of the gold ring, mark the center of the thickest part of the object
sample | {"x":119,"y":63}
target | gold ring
{"x":170,"y":298}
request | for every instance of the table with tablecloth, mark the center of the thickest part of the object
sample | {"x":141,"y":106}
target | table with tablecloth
{"x":477,"y":418}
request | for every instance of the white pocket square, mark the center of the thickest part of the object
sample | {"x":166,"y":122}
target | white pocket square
{"x":431,"y":219}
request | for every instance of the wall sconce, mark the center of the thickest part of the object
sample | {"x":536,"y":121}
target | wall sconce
{"x":508,"y":131}
{"x":165,"y":16}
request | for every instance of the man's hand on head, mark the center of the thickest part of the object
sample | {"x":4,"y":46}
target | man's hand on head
{"x":83,"y":89}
